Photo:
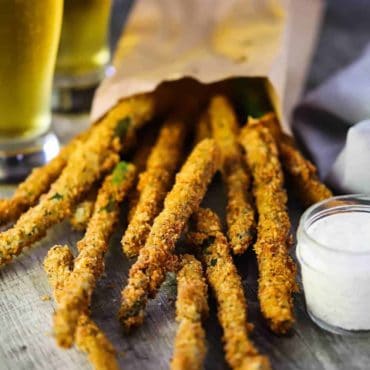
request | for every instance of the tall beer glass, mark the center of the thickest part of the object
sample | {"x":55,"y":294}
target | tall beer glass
{"x":83,"y":51}
{"x":29,"y":35}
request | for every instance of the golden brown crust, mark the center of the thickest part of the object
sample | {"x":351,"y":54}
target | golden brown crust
{"x":191,"y":308}
{"x":58,"y":265}
{"x":202,"y":129}
{"x":81,"y":214}
{"x":89,"y":338}
{"x":139,"y":161}
{"x":89,"y":161}
{"x":83,"y":211}
{"x":190,"y":347}
{"x":37,"y":183}
{"x":191,"y":290}
{"x":89,"y":264}
{"x":226,"y":284}
{"x":240,"y":215}
{"x":147,"y":274}
{"x":154,"y":184}
{"x":277,"y":271}
{"x":301,"y":171}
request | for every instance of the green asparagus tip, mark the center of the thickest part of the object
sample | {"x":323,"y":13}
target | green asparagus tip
{"x":119,"y":172}
{"x":56,"y":196}
{"x":110,"y":206}
{"x":122,"y":127}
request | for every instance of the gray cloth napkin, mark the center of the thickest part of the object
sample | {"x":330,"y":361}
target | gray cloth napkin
{"x":332,"y":124}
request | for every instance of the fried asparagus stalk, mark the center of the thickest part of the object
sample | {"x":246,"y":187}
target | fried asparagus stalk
{"x":58,"y":265}
{"x":148,"y":272}
{"x":202,"y":129}
{"x":240,"y":215}
{"x":37,"y":183}
{"x":91,"y":340}
{"x":300,"y":170}
{"x":89,"y":265}
{"x":223,"y":277}
{"x":83,"y":211}
{"x":139,"y":161}
{"x":191,"y":309}
{"x":154,"y":184}
{"x":89,"y":161}
{"x":277,"y":271}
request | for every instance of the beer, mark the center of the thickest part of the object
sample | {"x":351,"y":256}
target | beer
{"x":83,"y":48}
{"x":29,"y":35}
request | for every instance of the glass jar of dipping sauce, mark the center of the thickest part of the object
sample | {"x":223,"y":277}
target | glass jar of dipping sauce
{"x":333,"y":250}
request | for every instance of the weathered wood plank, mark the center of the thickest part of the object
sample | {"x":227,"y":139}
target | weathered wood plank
{"x":25,"y":319}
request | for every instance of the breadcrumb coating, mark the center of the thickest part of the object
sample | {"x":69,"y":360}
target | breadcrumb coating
{"x":58,"y":265}
{"x":83,"y":211}
{"x":89,"y":265}
{"x":89,"y":161}
{"x":37,"y":183}
{"x":154,"y":184}
{"x":240,"y":215}
{"x":91,"y":340}
{"x":301,"y":171}
{"x":155,"y":258}
{"x":223,"y":277}
{"x":191,"y":309}
{"x":139,"y":161}
{"x":277,"y":271}
{"x":202,"y":129}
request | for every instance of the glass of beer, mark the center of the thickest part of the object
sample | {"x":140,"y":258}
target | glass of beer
{"x":83,"y":52}
{"x":29,"y":35}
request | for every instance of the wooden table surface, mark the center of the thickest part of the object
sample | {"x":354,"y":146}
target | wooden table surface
{"x":25,"y":315}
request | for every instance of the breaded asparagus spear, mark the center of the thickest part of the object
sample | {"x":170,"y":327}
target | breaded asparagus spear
{"x":89,"y":265}
{"x":38,"y":182}
{"x":300,"y":170}
{"x":139,"y":161}
{"x":226,"y":284}
{"x":83,"y":211}
{"x":154,"y":183}
{"x":58,"y":265}
{"x":277,"y":271}
{"x":202,"y":128}
{"x":240,"y":211}
{"x":148,"y":273}
{"x":90,"y":339}
{"x":191,"y":309}
{"x":90,"y":160}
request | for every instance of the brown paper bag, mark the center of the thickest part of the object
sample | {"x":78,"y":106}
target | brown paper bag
{"x":210,"y":41}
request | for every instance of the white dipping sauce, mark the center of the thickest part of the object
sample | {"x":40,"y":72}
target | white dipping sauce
{"x":334,"y":253}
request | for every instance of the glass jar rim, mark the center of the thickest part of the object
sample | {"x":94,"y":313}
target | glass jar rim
{"x":358,"y":205}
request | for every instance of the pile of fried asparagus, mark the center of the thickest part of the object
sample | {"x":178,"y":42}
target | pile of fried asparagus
{"x":165,"y":183}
